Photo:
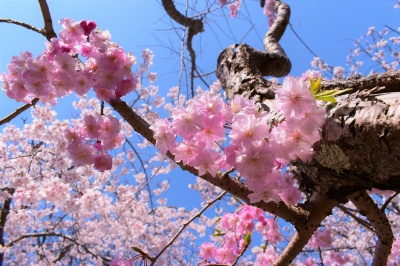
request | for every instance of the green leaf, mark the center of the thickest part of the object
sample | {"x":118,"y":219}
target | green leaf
{"x":315,"y":85}
{"x":247,"y":238}
{"x":328,"y":95}
{"x":332,"y":92}
{"x":237,"y":199}
{"x":138,"y":250}
{"x":326,"y":98}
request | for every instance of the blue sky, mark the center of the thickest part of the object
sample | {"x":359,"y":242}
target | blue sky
{"x":327,"y":26}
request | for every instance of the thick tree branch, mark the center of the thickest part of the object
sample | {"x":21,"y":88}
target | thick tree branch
{"x":48,"y":23}
{"x":322,"y":207}
{"x":279,"y":65}
{"x":171,"y":10}
{"x":388,"y":82}
{"x":235,"y":187}
{"x":241,"y":68}
{"x":378,"y":219}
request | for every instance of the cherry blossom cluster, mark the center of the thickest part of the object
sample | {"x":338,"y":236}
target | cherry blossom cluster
{"x":58,"y":71}
{"x":269,"y":11}
{"x":235,"y":230}
{"x":49,"y":196}
{"x":87,"y":144}
{"x":382,"y":47}
{"x":255,"y":150}
{"x":233,"y":7}
{"x":54,"y":73}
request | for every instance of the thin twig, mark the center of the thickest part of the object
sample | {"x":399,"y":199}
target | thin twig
{"x":320,"y":256}
{"x":23,"y":24}
{"x":357,"y":219}
{"x":70,"y":238}
{"x":186,"y":224}
{"x":388,"y":201}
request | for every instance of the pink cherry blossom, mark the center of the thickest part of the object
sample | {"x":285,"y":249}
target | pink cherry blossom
{"x":186,"y":122}
{"x":102,"y":162}
{"x":208,"y":251}
{"x":254,"y":160}
{"x":87,"y":26}
{"x":92,"y":128}
{"x":119,"y":261}
{"x":248,"y":128}
{"x":165,"y":139}
{"x":294,"y":98}
{"x":72,"y":32}
{"x":81,"y":153}
{"x":321,"y":239}
{"x":223,"y":2}
{"x":234,"y":8}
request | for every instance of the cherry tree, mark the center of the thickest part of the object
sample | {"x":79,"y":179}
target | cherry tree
{"x":309,"y":167}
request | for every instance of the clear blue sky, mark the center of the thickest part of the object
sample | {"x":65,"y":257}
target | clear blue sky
{"x":327,"y":26}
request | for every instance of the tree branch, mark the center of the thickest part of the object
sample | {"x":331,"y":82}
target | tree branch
{"x":186,"y":224}
{"x":357,"y":219}
{"x":23,"y":24}
{"x":48,"y":23}
{"x":70,"y":238}
{"x":3,"y":219}
{"x":388,"y":81}
{"x":18,"y":111}
{"x":241,"y":68}
{"x":235,"y":187}
{"x":171,"y":10}
{"x":194,"y":26}
{"x":322,"y":207}
{"x":279,"y":65}
{"x":378,"y":219}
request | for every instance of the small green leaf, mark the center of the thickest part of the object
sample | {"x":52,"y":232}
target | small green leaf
{"x":217,"y":220}
{"x":217,"y":232}
{"x":315,"y":85}
{"x":138,"y":250}
{"x":237,"y":199}
{"x":326,"y":98}
{"x":332,"y":92}
{"x":247,"y":238}
{"x":328,"y":95}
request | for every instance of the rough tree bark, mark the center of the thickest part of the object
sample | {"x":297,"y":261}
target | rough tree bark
{"x":360,"y":145}
{"x":359,"y":149}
